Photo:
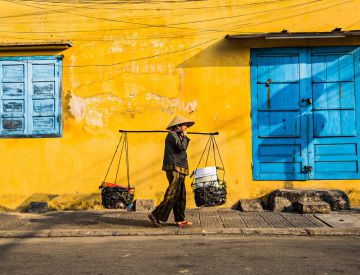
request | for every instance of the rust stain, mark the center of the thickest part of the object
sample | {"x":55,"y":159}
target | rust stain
{"x":268,"y":97}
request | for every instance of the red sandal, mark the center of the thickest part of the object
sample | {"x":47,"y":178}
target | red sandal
{"x":184,"y":223}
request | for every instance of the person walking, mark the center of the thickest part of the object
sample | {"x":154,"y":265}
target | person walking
{"x":175,"y":164}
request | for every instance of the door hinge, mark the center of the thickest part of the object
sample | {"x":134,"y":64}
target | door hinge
{"x":252,"y":166}
{"x":251,"y":114}
{"x":250,"y":61}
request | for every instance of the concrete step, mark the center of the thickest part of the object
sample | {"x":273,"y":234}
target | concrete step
{"x":312,"y":207}
{"x":287,"y":200}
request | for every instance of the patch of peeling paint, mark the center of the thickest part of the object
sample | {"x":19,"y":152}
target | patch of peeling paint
{"x":117,"y":49}
{"x":96,"y":110}
{"x":73,"y":81}
{"x":171,"y":105}
{"x":94,"y":118}
{"x":191,"y":106}
{"x":77,"y":107}
{"x":93,"y":109}
{"x":156,"y":43}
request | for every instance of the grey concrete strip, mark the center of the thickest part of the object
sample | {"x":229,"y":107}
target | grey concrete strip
{"x":314,"y":220}
{"x":274,"y":219}
{"x":253,"y":219}
{"x":80,"y":233}
{"x":333,"y":231}
{"x":193,"y":216}
{"x":210,"y":218}
{"x":297,"y":220}
{"x":231,"y":218}
{"x":188,"y":231}
{"x":24,"y":234}
{"x":275,"y":231}
{"x":210,"y":231}
{"x":340,"y":220}
{"x":85,"y":233}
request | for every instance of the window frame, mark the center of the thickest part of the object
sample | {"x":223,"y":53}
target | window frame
{"x":28,"y":60}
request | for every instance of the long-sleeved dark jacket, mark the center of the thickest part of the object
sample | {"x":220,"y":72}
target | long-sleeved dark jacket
{"x":175,"y":157}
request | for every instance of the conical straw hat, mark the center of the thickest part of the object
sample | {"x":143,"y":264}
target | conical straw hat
{"x":180,"y":120}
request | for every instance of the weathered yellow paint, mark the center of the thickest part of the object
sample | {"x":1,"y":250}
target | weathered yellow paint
{"x":134,"y":66}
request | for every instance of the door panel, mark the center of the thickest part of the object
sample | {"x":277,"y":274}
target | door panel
{"x":334,"y":95}
{"x":278,"y":96}
{"x":279,"y":124}
{"x":332,"y":67}
{"x":334,"y":123}
{"x":278,"y":67}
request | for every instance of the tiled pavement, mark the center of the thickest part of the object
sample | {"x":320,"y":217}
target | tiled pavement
{"x":203,"y":218}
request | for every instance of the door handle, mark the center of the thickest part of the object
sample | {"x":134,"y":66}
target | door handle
{"x":268,"y":82}
{"x":307,"y":100}
{"x":307,"y":169}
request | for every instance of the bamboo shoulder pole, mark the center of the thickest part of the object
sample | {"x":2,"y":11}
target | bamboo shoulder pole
{"x":163,"y":131}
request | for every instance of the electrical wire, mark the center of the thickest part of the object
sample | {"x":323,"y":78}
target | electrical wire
{"x":192,"y":47}
{"x":200,"y":9}
{"x":173,"y":25}
{"x":158,"y":8}
{"x":140,"y":58}
{"x":184,"y":36}
{"x":141,"y":38}
{"x":290,"y":16}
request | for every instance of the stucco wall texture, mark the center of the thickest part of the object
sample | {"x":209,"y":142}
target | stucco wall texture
{"x":136,"y":64}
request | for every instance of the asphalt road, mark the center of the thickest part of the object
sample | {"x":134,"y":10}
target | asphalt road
{"x":180,"y":254}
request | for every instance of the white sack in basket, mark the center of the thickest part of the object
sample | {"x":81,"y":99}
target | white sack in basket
{"x":206,"y":176}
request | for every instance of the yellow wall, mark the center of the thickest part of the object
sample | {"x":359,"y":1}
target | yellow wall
{"x":134,"y":66}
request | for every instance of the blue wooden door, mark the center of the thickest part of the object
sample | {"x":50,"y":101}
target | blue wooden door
{"x":279,"y":135}
{"x":304,"y":113}
{"x":334,"y":135}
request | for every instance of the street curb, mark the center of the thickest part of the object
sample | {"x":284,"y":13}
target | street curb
{"x":184,"y":232}
{"x":321,"y":231}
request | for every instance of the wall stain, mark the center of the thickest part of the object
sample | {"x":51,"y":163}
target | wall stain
{"x":96,"y":110}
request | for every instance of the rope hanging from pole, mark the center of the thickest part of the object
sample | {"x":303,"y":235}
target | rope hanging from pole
{"x":209,"y":189}
{"x":112,"y":194}
{"x":117,"y":196}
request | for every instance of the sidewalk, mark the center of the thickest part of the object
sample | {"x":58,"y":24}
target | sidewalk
{"x":206,"y":221}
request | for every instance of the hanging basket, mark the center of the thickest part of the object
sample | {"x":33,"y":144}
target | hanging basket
{"x":208,"y":189}
{"x":115,"y":196}
{"x":208,"y":186}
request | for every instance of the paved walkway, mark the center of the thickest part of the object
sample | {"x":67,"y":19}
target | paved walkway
{"x":206,"y":221}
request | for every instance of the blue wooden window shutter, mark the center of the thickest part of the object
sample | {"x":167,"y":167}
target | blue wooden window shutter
{"x":30,"y":96}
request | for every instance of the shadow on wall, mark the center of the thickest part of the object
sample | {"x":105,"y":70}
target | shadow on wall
{"x":36,"y":197}
{"x":61,"y":202}
{"x":235,"y":53}
{"x":223,"y":53}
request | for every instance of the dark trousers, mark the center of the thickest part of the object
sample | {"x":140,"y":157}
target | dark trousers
{"x":175,"y":198}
